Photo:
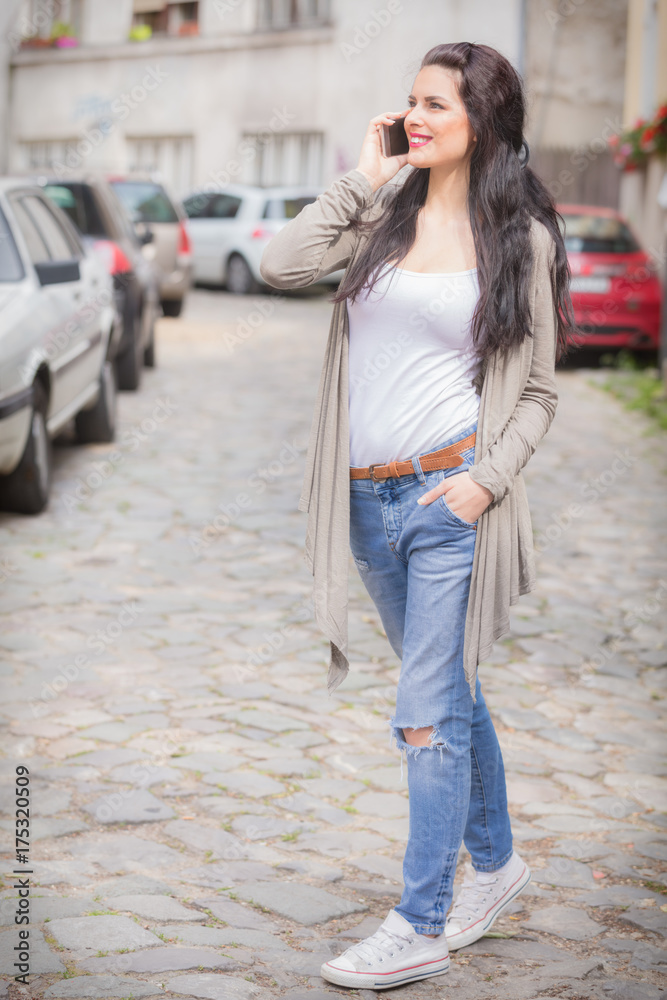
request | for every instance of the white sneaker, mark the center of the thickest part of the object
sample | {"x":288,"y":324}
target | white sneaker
{"x":483,"y":896}
{"x":394,"y":955}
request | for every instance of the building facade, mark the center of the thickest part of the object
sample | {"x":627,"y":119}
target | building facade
{"x":259,"y":91}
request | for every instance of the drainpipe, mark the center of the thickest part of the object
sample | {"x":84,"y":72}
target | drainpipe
{"x":521,"y":52}
{"x":9,"y":12}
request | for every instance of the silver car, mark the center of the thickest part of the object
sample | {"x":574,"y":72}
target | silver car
{"x":59,"y":326}
{"x":229,"y":229}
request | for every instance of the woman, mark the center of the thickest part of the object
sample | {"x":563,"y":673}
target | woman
{"x":437,"y":386}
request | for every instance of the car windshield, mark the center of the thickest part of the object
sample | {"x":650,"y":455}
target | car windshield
{"x":11,"y":268}
{"x":597,"y":234}
{"x":145,"y":201}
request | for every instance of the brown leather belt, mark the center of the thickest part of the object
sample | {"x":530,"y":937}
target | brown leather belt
{"x":443,"y":459}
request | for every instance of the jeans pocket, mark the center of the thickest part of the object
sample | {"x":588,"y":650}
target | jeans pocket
{"x":455,"y":517}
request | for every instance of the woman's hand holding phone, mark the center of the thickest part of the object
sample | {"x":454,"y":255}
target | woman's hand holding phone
{"x":379,"y":168}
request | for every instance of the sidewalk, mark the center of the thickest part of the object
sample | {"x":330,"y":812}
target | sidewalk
{"x":206,"y":822}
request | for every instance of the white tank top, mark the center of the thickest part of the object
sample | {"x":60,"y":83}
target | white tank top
{"x":411,"y":365}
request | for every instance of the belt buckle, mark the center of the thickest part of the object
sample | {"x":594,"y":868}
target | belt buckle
{"x":371,"y":470}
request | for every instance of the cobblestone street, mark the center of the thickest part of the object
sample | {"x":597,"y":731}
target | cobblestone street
{"x":206,"y":821}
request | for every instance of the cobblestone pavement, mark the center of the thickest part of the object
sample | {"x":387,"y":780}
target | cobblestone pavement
{"x":206,"y":820}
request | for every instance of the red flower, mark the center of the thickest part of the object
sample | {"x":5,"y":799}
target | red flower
{"x":613,"y":141}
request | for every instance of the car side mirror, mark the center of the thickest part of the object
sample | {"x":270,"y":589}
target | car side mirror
{"x":145,"y":234}
{"x":57,"y":272}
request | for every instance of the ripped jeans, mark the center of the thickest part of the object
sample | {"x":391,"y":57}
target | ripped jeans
{"x":416,"y":562}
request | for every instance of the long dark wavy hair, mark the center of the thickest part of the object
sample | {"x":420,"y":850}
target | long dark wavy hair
{"x":503,"y":195}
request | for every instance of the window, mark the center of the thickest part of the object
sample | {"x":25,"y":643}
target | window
{"x":276,"y":15}
{"x":223,"y":206}
{"x":196,"y":207}
{"x":597,"y":234}
{"x":168,"y":156}
{"x":285,"y":208}
{"x":145,"y":201}
{"x":78,"y":204}
{"x":286,"y":158}
{"x":50,"y":18}
{"x":58,"y":242}
{"x":49,"y":154}
{"x":166,"y":17}
{"x":36,"y":246}
{"x":11,"y":268}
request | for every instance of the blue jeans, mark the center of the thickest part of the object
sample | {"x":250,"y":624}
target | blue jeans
{"x":416,"y":562}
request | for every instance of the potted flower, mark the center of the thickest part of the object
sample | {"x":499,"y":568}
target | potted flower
{"x":140,"y":32}
{"x":36,"y":42}
{"x":633,"y":147}
{"x":63,"y":36}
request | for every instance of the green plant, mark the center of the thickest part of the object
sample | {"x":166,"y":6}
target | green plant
{"x":62,"y":30}
{"x":638,"y":389}
{"x":140,"y":33}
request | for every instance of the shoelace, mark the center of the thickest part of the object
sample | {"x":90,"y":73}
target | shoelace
{"x":472,"y":894}
{"x":382,"y":942}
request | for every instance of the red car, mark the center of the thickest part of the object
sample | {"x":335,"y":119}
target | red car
{"x":616,"y":292}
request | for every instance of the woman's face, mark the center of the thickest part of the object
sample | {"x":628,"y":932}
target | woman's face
{"x":437,"y":124}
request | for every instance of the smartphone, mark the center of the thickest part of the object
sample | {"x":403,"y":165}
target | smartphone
{"x":394,"y":138}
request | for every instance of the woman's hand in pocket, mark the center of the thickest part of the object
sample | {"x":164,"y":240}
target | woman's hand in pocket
{"x":464,"y":497}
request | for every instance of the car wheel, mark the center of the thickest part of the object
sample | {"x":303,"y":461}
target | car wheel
{"x":99,"y":423}
{"x":240,"y":279}
{"x":172,"y":307}
{"x":26,"y":489}
{"x":129,"y":363}
{"x":149,"y":353}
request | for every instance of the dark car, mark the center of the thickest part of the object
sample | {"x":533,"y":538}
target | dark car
{"x":616,"y":292}
{"x":147,"y":202}
{"x":100,"y":217}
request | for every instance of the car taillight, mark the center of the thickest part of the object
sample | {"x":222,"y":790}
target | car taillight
{"x":114,"y":258}
{"x":261,"y":234}
{"x":184,"y":245}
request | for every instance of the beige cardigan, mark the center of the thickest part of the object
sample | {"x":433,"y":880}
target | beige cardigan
{"x":517,"y":405}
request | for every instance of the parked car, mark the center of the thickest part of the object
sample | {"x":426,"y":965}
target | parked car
{"x":147,"y":202}
{"x":229,"y":230}
{"x":616,"y":292}
{"x":58,"y":330}
{"x":102,"y":220}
